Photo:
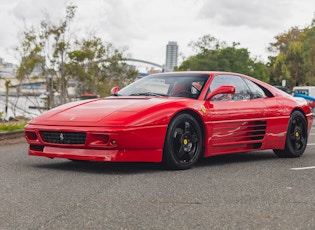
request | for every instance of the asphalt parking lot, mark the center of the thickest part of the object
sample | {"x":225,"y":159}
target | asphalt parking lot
{"x":253,"y":190}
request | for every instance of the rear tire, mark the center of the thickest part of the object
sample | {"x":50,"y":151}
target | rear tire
{"x":296,"y":140}
{"x":183,"y":142}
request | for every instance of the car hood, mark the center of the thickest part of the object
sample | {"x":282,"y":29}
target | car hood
{"x":111,"y":111}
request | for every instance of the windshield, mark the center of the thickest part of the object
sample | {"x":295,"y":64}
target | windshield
{"x":174,"y":85}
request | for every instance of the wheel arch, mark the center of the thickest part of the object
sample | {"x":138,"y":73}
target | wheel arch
{"x":300,"y":110}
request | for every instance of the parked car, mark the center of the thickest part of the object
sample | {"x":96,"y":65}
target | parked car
{"x":306,"y":92}
{"x":85,"y":96}
{"x":175,"y":118}
{"x":284,"y":89}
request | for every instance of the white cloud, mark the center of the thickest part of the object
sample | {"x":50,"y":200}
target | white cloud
{"x":147,"y":26}
{"x":262,"y":14}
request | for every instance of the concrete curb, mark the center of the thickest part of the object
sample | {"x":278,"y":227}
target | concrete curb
{"x":11,"y":135}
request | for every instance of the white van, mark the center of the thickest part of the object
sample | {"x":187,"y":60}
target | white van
{"x":306,"y":90}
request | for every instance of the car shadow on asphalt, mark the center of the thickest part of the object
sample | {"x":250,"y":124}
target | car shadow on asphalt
{"x":237,"y":158}
{"x":100,"y":167}
{"x":130,"y":167}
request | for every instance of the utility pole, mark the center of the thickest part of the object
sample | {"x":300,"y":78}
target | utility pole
{"x":7,"y":83}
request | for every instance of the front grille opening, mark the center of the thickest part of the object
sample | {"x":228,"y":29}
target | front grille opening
{"x":31,"y":135}
{"x":74,"y":138}
{"x":37,"y":148}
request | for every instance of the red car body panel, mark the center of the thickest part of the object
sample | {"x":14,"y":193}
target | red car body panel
{"x":133,"y":128}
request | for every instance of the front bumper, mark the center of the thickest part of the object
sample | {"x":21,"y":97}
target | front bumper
{"x":99,"y":155}
{"x":127,"y":144}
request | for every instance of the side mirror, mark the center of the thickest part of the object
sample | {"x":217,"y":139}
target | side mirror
{"x":114,"y":90}
{"x":224,"y":89}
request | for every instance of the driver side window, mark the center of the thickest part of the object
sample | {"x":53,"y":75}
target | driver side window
{"x":242,"y":92}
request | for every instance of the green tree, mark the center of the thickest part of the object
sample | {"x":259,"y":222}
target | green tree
{"x":309,"y":53}
{"x":95,"y":65}
{"x":29,"y":50}
{"x":215,"y":55}
{"x":98,"y":67}
{"x":279,"y":71}
{"x":295,"y":56}
{"x":205,"y":43}
{"x":283,"y":40}
{"x":295,"y":62}
{"x":46,"y":49}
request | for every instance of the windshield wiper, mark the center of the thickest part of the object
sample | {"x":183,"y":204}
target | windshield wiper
{"x":147,"y":94}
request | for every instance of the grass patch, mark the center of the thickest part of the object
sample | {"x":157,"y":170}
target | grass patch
{"x":12,"y":126}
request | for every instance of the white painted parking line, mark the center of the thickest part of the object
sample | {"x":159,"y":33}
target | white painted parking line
{"x":303,"y":168}
{"x":311,"y":144}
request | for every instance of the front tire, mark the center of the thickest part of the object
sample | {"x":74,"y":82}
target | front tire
{"x":183,"y":142}
{"x":296,"y":140}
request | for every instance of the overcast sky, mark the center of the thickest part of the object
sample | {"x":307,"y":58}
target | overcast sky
{"x":146,"y":26}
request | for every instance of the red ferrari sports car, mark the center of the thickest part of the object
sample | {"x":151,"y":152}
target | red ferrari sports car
{"x":175,"y":118}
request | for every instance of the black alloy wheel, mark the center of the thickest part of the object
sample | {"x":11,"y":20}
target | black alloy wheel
{"x":183,"y":143}
{"x":296,"y":140}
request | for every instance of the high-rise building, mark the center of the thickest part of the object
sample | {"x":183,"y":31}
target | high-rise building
{"x":171,"y":56}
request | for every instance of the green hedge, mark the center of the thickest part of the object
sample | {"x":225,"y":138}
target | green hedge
{"x":12,"y":126}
